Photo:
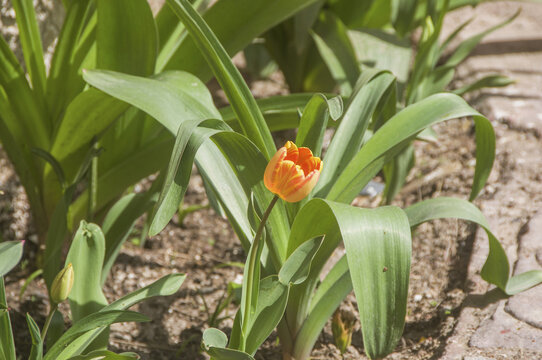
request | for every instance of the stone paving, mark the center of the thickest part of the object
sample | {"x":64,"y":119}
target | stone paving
{"x":491,"y":326}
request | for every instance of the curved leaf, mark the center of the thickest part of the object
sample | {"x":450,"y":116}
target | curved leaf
{"x":347,"y":140}
{"x":402,"y":128}
{"x":165,"y":286}
{"x":229,"y":78}
{"x":11,"y":253}
{"x":126,"y":37}
{"x":378,"y":248}
{"x":171,"y":97}
{"x":314,"y":121}
{"x":496,"y":269}
{"x":89,"y":323}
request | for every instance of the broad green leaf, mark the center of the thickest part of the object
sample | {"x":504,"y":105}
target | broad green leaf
{"x":89,"y":323}
{"x":126,"y":37}
{"x":402,"y":128}
{"x":105,"y":355}
{"x":380,"y":267}
{"x":165,"y":286}
{"x":7,"y":344}
{"x":313,"y":122}
{"x":228,"y":354}
{"x":31,"y":43}
{"x":377,"y":243}
{"x":496,"y":269}
{"x":86,"y":254}
{"x":172,"y":32}
{"x":348,"y":138}
{"x":87,"y":116}
{"x":171,"y":97}
{"x":11,"y":253}
{"x":36,"y":352}
{"x":215,"y":338}
{"x":327,"y":298}
{"x":331,"y":38}
{"x":296,"y":268}
{"x":486,"y":81}
{"x":272,"y":299}
{"x":248,"y":114}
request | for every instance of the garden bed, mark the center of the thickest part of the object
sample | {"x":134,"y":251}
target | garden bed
{"x":206,"y":249}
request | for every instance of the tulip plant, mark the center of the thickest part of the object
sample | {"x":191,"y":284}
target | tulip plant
{"x":61,"y":135}
{"x":80,"y":283}
{"x":288,"y":231}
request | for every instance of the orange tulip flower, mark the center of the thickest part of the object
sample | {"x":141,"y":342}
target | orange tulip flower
{"x":292,"y":172}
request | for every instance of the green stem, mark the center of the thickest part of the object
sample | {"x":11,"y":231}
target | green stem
{"x":48,"y":321}
{"x":251,"y":271}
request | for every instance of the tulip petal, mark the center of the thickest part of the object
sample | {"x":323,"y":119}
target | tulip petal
{"x":273,"y":167}
{"x":299,"y":187}
{"x":292,"y":152}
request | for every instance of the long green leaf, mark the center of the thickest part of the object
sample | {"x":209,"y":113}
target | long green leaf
{"x":171,"y":98}
{"x":89,"y":323}
{"x":403,"y":127}
{"x":106,"y":355}
{"x":486,"y":81}
{"x":331,"y":38}
{"x":347,"y":140}
{"x":64,"y":81}
{"x":36,"y":352}
{"x":237,"y":91}
{"x":380,"y":238}
{"x":313,"y":122}
{"x":165,"y":286}
{"x":31,"y":44}
{"x":126,"y":37}
{"x":178,"y":173}
{"x":7,"y":344}
{"x":272,"y":299}
{"x":29,"y":112}
{"x":496,"y":269}
{"x":11,"y":253}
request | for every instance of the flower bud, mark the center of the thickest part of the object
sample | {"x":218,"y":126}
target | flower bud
{"x":292,"y":172}
{"x":342,"y":327}
{"x":62,"y":284}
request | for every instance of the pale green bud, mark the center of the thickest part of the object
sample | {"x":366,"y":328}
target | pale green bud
{"x":62,"y":284}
